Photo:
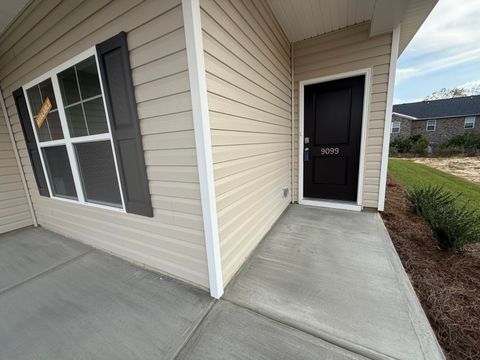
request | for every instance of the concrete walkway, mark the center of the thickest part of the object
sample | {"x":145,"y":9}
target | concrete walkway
{"x":335,"y":274}
{"x":322,"y":285}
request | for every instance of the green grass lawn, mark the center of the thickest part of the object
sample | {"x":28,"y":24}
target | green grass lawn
{"x":411,"y":174}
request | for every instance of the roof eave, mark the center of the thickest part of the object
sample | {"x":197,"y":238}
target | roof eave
{"x":409,"y":117}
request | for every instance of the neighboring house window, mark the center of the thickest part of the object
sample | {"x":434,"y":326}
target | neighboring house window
{"x":75,"y":141}
{"x":395,"y":127}
{"x":469,"y":122}
{"x":431,"y":125}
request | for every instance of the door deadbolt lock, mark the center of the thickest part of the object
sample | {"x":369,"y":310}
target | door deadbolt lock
{"x":307,"y":140}
{"x":306,"y":154}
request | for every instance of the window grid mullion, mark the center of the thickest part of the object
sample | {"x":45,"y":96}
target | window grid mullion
{"x":90,"y":138}
{"x":66,"y":134}
{"x":84,"y":101}
{"x":51,"y":143}
{"x":81,"y":100}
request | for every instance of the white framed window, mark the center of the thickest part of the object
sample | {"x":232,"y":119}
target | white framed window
{"x":75,"y":141}
{"x":469,"y":122}
{"x":395,"y":127}
{"x":431,"y":125}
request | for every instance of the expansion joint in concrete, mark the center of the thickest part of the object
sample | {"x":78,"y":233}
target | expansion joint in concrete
{"x":44,"y":273}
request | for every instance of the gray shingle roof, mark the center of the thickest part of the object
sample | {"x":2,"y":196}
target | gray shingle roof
{"x":460,"y":106}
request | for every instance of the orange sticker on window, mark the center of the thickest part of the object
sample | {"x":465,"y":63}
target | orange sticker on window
{"x":43,"y":113}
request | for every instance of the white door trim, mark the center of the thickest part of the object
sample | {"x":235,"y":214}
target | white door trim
{"x":203,"y":141}
{"x":366,"y":101}
{"x":388,"y":117}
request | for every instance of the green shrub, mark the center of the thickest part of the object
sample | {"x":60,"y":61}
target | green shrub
{"x":415,"y":145}
{"x":466,"y":144}
{"x":393,"y":151}
{"x":453,"y":223}
{"x":420,"y":146}
{"x":401,"y":145}
{"x":442,"y":151}
{"x":415,"y":138}
{"x":468,"y":140}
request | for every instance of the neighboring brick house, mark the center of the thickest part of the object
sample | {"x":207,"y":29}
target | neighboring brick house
{"x":437,"y":120}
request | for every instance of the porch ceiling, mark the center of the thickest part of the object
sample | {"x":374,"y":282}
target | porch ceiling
{"x":303,"y":19}
{"x":8,"y":11}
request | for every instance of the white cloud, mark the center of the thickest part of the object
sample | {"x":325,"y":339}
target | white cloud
{"x":437,"y":63}
{"x":406,"y":73}
{"x":452,"y":25}
{"x":450,"y":36}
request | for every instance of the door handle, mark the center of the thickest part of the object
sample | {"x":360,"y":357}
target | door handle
{"x":306,"y":154}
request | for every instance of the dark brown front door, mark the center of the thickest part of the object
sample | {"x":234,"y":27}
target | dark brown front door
{"x":332,"y":136}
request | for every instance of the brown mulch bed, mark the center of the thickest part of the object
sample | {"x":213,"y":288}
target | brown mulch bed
{"x":447,"y":284}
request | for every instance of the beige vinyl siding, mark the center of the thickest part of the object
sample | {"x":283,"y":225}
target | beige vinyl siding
{"x":247,"y":60}
{"x":14,"y":210}
{"x":343,"y":51}
{"x":50,"y":32}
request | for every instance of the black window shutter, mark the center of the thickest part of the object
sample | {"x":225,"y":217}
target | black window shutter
{"x":116,"y":77}
{"x":32,"y":147}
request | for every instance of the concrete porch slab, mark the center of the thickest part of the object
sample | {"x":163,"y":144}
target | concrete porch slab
{"x":231,"y":332}
{"x":330,"y":273}
{"x":96,"y":307}
{"x":28,"y":252}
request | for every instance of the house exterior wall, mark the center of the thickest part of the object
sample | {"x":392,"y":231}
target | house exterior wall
{"x":405,"y":127}
{"x":445,"y":129}
{"x":50,"y":32}
{"x":247,"y":59}
{"x":343,"y":51}
{"x":14,"y":210}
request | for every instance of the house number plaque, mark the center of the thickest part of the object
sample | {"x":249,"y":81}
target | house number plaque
{"x":330,"y":151}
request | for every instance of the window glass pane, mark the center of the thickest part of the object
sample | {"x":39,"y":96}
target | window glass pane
{"x":88,"y":78}
{"x":46,"y":89}
{"x":81,"y":92}
{"x":76,"y":121}
{"x":34,"y":99}
{"x":53,"y":122}
{"x":95,"y":114}
{"x":59,"y":172}
{"x":97,"y":170}
{"x":51,"y":128}
{"x":469,"y":122}
{"x":68,"y":86}
{"x":43,"y":133}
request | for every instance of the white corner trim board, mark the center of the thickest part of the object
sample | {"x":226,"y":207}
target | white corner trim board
{"x":388,"y":118}
{"x":292,"y":84}
{"x":17,"y":159}
{"x":203,"y":141}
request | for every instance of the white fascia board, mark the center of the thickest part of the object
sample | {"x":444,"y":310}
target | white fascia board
{"x":405,"y":116}
{"x":388,"y":118}
{"x":203,"y":141}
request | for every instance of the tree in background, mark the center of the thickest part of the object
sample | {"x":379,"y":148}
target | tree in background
{"x":473,"y":89}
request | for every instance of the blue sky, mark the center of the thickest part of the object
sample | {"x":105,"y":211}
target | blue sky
{"x":444,"y":53}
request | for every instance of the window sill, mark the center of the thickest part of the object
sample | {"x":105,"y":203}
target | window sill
{"x":89,"y":204}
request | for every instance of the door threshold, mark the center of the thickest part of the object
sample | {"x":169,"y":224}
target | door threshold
{"x":331,"y":204}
